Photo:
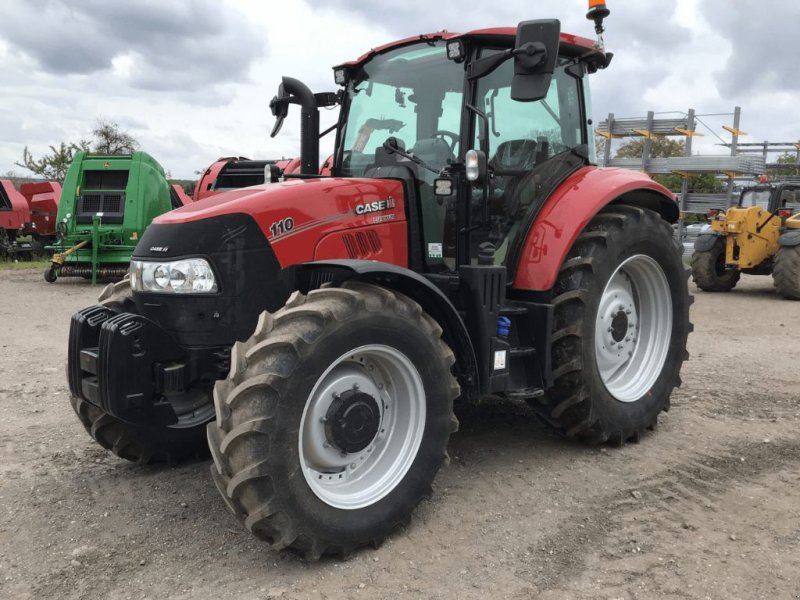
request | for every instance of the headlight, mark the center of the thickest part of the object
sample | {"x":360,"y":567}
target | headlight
{"x":187,"y":276}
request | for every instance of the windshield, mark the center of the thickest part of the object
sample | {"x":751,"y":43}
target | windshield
{"x":756,"y":198}
{"x":413,"y":94}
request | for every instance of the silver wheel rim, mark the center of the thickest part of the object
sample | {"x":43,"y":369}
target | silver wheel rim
{"x":356,"y":479}
{"x":633,"y":328}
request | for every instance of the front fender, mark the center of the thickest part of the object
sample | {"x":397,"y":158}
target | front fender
{"x":790,"y":238}
{"x":705,"y":241}
{"x":570,"y":208}
{"x":433,"y":301}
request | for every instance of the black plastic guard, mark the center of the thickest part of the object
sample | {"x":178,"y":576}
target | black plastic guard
{"x":131,"y":350}
{"x":84,"y":333}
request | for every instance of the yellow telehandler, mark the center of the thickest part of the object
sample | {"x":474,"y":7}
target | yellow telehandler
{"x":759,"y":236}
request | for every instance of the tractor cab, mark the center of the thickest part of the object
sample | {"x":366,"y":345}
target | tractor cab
{"x":772,"y":197}
{"x":510,"y":103}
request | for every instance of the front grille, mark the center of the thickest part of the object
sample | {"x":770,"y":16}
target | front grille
{"x":110,"y":204}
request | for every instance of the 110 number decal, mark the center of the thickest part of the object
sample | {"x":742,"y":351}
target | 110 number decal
{"x":281,"y":227}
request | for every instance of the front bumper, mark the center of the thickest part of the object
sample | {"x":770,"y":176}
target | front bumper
{"x":133,"y":369}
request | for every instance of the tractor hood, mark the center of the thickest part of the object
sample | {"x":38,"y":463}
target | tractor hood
{"x":295,"y":216}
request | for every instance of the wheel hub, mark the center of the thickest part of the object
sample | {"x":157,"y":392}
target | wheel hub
{"x":352,"y":422}
{"x":633,"y":327}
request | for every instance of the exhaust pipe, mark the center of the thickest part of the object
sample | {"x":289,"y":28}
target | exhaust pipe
{"x":309,"y":123}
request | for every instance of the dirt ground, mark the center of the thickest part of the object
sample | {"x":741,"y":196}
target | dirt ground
{"x":708,"y":506}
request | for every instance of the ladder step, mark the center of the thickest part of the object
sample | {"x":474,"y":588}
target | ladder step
{"x":526,"y":393}
{"x":513,"y":311}
{"x":521,"y":351}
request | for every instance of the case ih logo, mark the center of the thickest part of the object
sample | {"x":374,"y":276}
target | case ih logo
{"x":377,"y":206}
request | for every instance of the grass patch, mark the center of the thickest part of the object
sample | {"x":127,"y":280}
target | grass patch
{"x":7,"y":265}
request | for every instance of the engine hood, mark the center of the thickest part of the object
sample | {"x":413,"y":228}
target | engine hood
{"x":295,"y":215}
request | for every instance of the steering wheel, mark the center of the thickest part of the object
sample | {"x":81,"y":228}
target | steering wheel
{"x":444,"y":133}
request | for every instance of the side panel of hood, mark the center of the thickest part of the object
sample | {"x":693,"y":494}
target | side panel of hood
{"x":296,"y":214}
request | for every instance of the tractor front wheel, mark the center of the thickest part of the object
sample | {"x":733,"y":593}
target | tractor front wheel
{"x":709,"y":272}
{"x":620,"y":328}
{"x":786,"y":274}
{"x":334,"y":419}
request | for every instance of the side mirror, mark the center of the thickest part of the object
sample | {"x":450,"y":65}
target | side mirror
{"x":535,"y":54}
{"x":279,"y":105}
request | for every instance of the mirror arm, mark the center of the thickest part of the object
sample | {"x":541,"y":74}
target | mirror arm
{"x":484,"y":134}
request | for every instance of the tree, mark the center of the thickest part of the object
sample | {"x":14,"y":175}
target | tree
{"x":110,"y":139}
{"x":107,"y":139}
{"x":701,"y":183}
{"x":659,"y":148}
{"x":788,"y":159}
{"x":52,"y":166}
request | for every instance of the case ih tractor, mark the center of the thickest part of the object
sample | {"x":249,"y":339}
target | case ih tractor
{"x":759,"y":236}
{"x":321,"y":329}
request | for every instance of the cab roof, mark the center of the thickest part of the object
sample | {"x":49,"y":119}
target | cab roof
{"x":578,"y":43}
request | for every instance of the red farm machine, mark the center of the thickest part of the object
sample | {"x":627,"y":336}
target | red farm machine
{"x":315,"y":333}
{"x":234,"y":172}
{"x":27,"y":217}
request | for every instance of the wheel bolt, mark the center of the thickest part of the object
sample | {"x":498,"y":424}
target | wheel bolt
{"x":323,"y":419}
{"x":355,"y":386}
{"x":627,"y":312}
{"x":335,"y":395}
{"x":352,"y":465}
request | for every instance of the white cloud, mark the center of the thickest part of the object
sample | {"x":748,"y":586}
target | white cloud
{"x":198,"y":91}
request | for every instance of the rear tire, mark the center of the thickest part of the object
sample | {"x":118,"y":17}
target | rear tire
{"x":137,"y":443}
{"x":709,"y":272}
{"x":623,"y":284}
{"x":279,"y":462}
{"x":786,"y":274}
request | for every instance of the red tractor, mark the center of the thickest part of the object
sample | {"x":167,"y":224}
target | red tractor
{"x":320,"y":329}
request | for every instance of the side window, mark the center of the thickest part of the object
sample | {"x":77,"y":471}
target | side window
{"x":549,"y":126}
{"x":791,"y":198}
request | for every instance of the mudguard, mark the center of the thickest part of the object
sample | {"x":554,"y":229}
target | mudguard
{"x":311,"y":275}
{"x":570,"y":208}
{"x":790,"y":238}
{"x":705,"y":241}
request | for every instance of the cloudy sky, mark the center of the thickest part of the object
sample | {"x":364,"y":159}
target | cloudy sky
{"x":191,"y":79}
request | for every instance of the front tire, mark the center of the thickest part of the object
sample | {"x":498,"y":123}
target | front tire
{"x":709,"y":272}
{"x":146,"y":444}
{"x":786,"y":274}
{"x":334,"y":419}
{"x":620,"y":328}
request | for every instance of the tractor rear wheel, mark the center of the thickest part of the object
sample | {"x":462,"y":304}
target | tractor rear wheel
{"x":620,"y":328}
{"x":334,"y":419}
{"x":709,"y":272}
{"x":147,"y":444}
{"x":786,"y":274}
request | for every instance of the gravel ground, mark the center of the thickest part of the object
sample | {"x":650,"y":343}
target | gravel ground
{"x":708,"y":506}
